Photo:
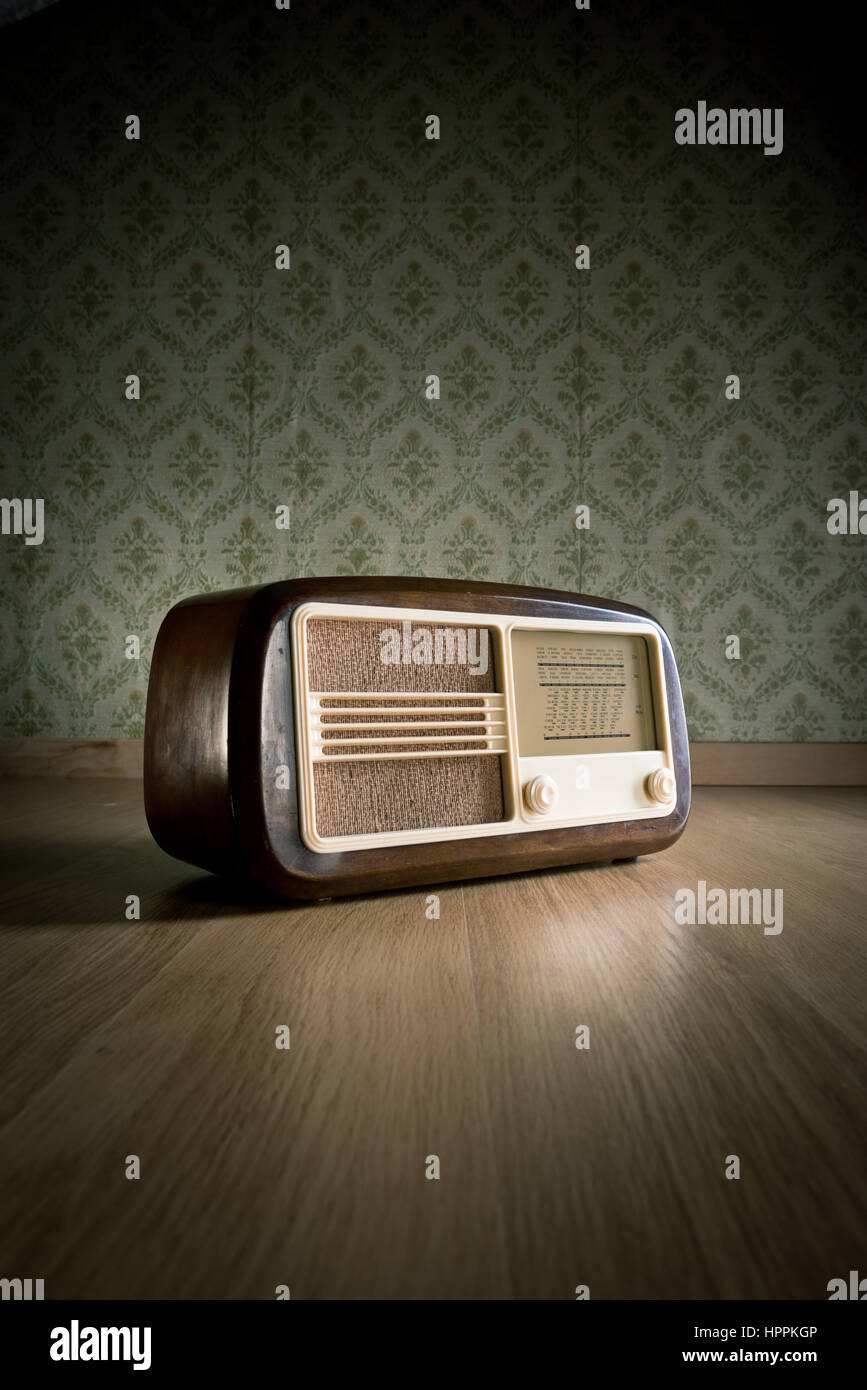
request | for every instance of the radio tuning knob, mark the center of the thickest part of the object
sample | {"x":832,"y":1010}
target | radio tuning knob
{"x":661,"y":785}
{"x":541,"y":794}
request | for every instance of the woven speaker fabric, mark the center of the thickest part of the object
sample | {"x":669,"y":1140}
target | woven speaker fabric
{"x":345,"y":654}
{"x":406,"y":794}
{"x":359,"y":798}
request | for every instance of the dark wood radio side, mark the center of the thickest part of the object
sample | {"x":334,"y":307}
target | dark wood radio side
{"x":220,"y":722}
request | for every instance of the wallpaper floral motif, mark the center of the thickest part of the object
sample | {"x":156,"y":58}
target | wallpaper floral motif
{"x":306,"y":387}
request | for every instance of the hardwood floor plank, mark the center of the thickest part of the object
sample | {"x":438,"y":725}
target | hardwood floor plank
{"x":260,"y":1166}
{"x":69,"y":958}
{"x":412,"y":1037}
{"x":705,"y":1041}
{"x":73,"y":811}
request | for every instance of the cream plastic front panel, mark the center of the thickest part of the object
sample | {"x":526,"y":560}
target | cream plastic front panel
{"x":540,"y":789}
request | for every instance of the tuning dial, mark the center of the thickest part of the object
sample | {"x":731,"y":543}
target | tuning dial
{"x":541,"y":794}
{"x":661,"y":785}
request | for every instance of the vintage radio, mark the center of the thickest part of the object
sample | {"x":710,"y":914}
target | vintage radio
{"x":330,"y":736}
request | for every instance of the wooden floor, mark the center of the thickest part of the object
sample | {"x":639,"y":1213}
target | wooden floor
{"x":412,"y":1037}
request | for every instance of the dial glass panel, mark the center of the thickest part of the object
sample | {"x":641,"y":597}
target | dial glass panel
{"x":582,"y":692}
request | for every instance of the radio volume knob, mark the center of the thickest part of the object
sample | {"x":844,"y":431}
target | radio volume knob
{"x":541,"y":794}
{"x":661,"y":785}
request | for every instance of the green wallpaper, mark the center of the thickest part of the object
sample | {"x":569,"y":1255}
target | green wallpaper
{"x":305,"y":387}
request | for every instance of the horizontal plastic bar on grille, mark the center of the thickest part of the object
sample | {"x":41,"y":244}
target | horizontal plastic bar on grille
{"x":484,"y":729}
{"x":492,"y":697}
{"x":410,"y":724}
{"x":410,"y":709}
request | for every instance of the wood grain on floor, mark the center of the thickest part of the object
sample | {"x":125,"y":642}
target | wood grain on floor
{"x":413,"y":1036}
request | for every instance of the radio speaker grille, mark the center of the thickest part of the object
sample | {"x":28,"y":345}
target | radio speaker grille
{"x":402,"y":746}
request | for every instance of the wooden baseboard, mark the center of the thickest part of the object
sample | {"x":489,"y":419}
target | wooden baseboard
{"x":779,"y":764}
{"x":71,"y":757}
{"x":713,"y":764}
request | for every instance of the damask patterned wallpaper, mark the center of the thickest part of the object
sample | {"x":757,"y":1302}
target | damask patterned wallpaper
{"x":409,"y":257}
